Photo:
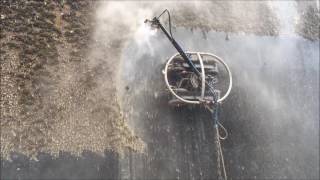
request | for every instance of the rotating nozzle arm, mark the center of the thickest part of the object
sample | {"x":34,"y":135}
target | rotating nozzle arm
{"x":155,"y":23}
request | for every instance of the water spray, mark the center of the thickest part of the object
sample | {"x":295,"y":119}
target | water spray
{"x":191,"y":78}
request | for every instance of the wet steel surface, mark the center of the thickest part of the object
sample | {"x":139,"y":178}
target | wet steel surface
{"x":272,"y":116}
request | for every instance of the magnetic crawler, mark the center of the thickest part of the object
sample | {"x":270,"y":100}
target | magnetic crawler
{"x":191,"y":78}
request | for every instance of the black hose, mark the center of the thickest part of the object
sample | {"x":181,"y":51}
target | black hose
{"x":166,"y":10}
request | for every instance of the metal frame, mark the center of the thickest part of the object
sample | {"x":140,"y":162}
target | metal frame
{"x":216,"y":59}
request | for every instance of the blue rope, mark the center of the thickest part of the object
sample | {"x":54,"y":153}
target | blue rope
{"x":215,"y":113}
{"x":216,"y":109}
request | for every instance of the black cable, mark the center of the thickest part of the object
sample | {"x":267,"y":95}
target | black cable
{"x":166,"y":10}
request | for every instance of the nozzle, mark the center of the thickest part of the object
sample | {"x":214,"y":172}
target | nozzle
{"x":147,"y":20}
{"x":153,"y":23}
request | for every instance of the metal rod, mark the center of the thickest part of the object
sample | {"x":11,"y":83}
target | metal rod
{"x":178,"y":47}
